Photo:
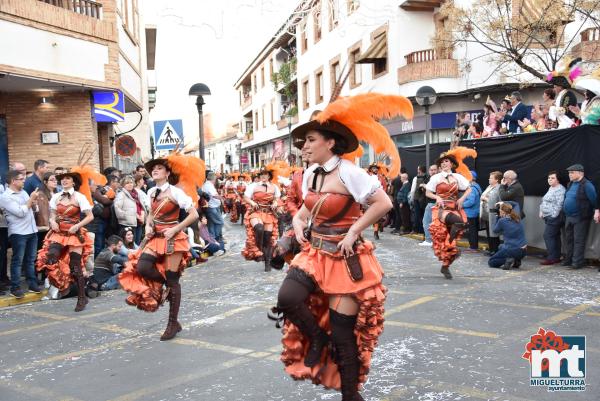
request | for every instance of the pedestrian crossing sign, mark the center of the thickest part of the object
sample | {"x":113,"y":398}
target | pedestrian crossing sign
{"x":167,"y":134}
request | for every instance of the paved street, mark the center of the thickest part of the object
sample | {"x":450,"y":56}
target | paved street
{"x":443,"y":340}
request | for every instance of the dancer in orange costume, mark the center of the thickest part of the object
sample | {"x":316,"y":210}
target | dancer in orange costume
{"x":333,"y":290}
{"x":67,"y":245}
{"x":448,"y":217}
{"x":163,"y":254}
{"x":231,"y":197}
{"x":376,"y":170}
{"x":240,"y":188}
{"x":261,"y":221}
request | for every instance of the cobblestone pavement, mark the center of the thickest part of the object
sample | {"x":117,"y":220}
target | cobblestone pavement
{"x":443,"y":340}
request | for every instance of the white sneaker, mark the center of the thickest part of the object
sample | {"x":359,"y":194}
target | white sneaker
{"x":219,"y":252}
{"x":53,"y":292}
{"x":425,"y":243}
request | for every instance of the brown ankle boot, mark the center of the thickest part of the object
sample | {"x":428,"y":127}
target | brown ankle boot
{"x":75,"y":265}
{"x":173,"y":326}
{"x":445,"y":270}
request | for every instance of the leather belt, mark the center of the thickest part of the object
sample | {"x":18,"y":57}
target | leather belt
{"x":317,"y":242}
{"x":329,"y":230}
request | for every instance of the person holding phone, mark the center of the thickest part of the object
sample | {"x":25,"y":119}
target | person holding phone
{"x":333,"y":291}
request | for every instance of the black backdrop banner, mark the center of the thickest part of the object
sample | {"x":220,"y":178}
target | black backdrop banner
{"x":531,"y":156}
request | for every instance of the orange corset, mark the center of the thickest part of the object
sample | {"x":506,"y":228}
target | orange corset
{"x":332,"y":205}
{"x":67,"y":216}
{"x":264,"y":199}
{"x":448,"y":191}
{"x":167,"y":216}
{"x":241,"y":188}
{"x":230,"y":190}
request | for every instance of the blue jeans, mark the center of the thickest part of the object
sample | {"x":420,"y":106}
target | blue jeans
{"x":99,"y":238}
{"x":24,"y":253}
{"x":212,"y":248}
{"x":137,"y":234}
{"x":215,"y":223}
{"x":498,"y":259}
{"x":110,"y":284}
{"x":427,"y":221}
{"x":3,"y":257}
{"x":552,"y":237}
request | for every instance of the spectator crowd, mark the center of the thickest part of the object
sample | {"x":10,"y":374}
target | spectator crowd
{"x":119,"y":209}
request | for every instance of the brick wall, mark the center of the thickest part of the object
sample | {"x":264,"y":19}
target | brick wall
{"x":69,"y":114}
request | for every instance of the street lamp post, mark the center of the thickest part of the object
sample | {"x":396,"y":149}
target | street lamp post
{"x":200,"y":90}
{"x":426,"y":97}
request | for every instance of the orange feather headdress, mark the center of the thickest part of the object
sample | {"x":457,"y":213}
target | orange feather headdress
{"x":87,"y":172}
{"x":360,"y":114}
{"x":460,"y":153}
{"x":191,"y":172}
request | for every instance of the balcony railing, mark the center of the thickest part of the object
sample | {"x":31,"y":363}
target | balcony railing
{"x":426,"y":55}
{"x":590,"y":35}
{"x":83,"y":7}
{"x":428,"y":64}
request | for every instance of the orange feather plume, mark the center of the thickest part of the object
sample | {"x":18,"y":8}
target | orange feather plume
{"x":361,"y":113}
{"x":191,"y":171}
{"x":88,"y":173}
{"x":461,"y":153}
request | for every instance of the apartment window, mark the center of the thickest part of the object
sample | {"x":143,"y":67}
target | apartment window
{"x":334,"y":72}
{"x":256,"y":118}
{"x":355,"y":75}
{"x":352,"y":5}
{"x":254,"y":86}
{"x":319,"y":86}
{"x":272,"y":111}
{"x":270,"y":68}
{"x":264,"y":109}
{"x":317,"y":22}
{"x":303,"y":38}
{"x":262,"y":77}
{"x":333,"y":14}
{"x":305,"y":102}
{"x":131,"y":18}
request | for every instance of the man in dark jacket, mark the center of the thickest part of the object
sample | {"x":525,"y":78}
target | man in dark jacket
{"x":512,"y":190}
{"x":580,"y":199}
{"x":402,"y":199}
{"x":519,"y":112}
{"x":395,"y":185}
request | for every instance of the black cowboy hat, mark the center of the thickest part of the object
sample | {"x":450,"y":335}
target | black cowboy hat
{"x":173,"y":178}
{"x":445,"y":156}
{"x":77,"y":181}
{"x":331,"y":126}
{"x":265,"y":171}
{"x":560,"y":81}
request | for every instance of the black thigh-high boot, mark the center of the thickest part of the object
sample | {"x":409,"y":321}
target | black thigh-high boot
{"x":456,"y":225}
{"x":77,"y":272}
{"x":293,"y":293}
{"x":346,"y":353}
{"x":54,"y":251}
{"x":173,"y":326}
{"x":258,"y":236}
{"x":146,"y":267}
{"x":267,"y":249}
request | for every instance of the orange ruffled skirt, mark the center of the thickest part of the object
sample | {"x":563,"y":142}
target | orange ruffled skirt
{"x":146,"y":294}
{"x":59,"y":274}
{"x":251,"y":251}
{"x":330,"y":274}
{"x":445,"y":250}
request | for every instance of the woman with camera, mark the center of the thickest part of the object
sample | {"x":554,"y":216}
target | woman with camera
{"x":514,"y":249}
{"x":333,"y":291}
{"x":489,"y":210}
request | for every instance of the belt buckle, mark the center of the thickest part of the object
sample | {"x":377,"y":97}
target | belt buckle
{"x":318,"y":244}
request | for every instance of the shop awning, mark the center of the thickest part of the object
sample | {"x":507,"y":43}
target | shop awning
{"x":377,"y":51}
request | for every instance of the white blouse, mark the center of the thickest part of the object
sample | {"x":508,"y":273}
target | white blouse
{"x":357,"y":181}
{"x":182,"y":199}
{"x":83,"y":202}
{"x":252,"y":187}
{"x":463,"y":183}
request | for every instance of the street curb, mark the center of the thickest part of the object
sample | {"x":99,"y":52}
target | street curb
{"x":9,"y":300}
